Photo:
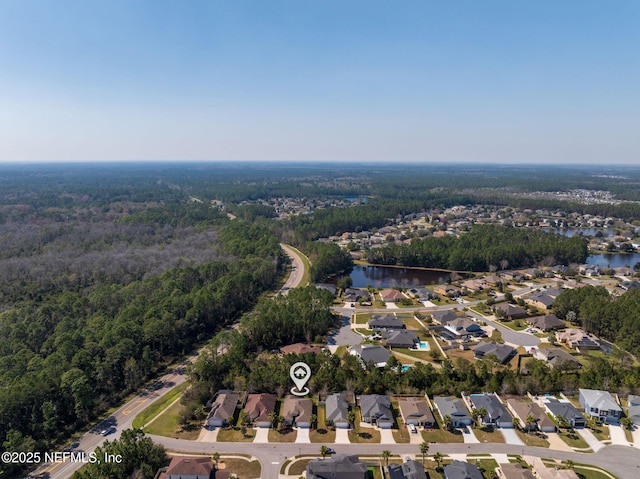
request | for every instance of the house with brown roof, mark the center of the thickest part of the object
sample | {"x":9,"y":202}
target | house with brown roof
{"x":187,"y":467}
{"x":416,"y":411}
{"x":578,"y":339}
{"x":391,"y":295}
{"x":223,"y":407}
{"x":447,"y":290}
{"x":546,"y":323}
{"x":300,"y":348}
{"x":514,"y":471}
{"x":523,"y":409}
{"x":297,"y":411}
{"x":259,"y":406}
{"x":511,"y":311}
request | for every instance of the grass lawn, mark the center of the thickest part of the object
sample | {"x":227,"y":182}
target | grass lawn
{"x":243,"y":468}
{"x":488,"y":434}
{"x":590,"y":474}
{"x":362,"y":318}
{"x":440,"y":435}
{"x":363,"y":434}
{"x":282,"y":435}
{"x":497,"y":336}
{"x":487,"y":466}
{"x":424,"y":355}
{"x":321,"y":433}
{"x":454,"y":353}
{"x":400,"y":431}
{"x":167,"y":425}
{"x":628,"y":434}
{"x":573,"y":440}
{"x":235,"y":435}
{"x":601,"y":432}
{"x":157,"y":407}
{"x":410,"y":322}
{"x":373,"y":472}
{"x":532,"y":439}
{"x":298,"y":467}
{"x":516,"y":324}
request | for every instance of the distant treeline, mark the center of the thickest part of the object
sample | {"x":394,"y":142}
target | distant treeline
{"x":484,"y":248}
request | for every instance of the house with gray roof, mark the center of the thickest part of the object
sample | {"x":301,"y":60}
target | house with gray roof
{"x":462,"y":470}
{"x":443,"y":317}
{"x":601,"y":405}
{"x":463,"y":327}
{"x":454,"y":408}
{"x":337,"y":410}
{"x":223,"y":407}
{"x":540,"y":300}
{"x":339,"y":466}
{"x":416,"y":411}
{"x":376,"y":409}
{"x":408,"y":470}
{"x":371,"y":354}
{"x":514,"y":471}
{"x":633,"y":410}
{"x":497,"y":414}
{"x":503,"y":352}
{"x":353,"y":295}
{"x":545,"y":323}
{"x":557,"y":358}
{"x":385,"y":321}
{"x":511,"y":311}
{"x":565,"y":410}
{"x":400,"y":338}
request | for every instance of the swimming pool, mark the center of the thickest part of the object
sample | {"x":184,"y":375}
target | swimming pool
{"x":423,"y":345}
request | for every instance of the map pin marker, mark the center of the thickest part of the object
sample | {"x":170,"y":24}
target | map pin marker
{"x":300,"y":373}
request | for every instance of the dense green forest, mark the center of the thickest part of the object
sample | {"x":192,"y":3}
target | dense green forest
{"x":596,"y":311}
{"x":484,"y":248}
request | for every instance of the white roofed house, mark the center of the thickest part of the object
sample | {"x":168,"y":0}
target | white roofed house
{"x":601,"y":405}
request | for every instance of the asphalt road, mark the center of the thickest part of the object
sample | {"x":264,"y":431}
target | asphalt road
{"x":619,"y":460}
{"x":297,"y":269}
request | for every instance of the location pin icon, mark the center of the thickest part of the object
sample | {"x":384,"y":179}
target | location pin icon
{"x":300,"y":373}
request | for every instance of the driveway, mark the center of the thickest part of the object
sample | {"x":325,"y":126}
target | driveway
{"x":469,"y":437}
{"x":618,"y":436}
{"x":343,"y":336}
{"x":262,"y":435}
{"x":511,"y":437}
{"x":636,"y":436}
{"x":590,"y":439}
{"x":303,"y":435}
{"x":208,"y":434}
{"x":342,"y":436}
{"x":510,"y":336}
{"x":386,"y":436}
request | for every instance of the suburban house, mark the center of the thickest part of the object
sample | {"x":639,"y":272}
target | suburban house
{"x":416,"y":411}
{"x":511,"y":311}
{"x":300,"y":348}
{"x":544,"y":472}
{"x":352,"y":295}
{"x":337,"y":410}
{"x":577,"y":339}
{"x":385,"y":321}
{"x":297,"y":411}
{"x":557,"y":358}
{"x":447,"y":290}
{"x":497,"y":414}
{"x":563,"y":410}
{"x":463,"y":327}
{"x":501,"y":351}
{"x":601,"y":405}
{"x":376,"y":409}
{"x":258,"y":407}
{"x":545,"y":323}
{"x":338,"y":466}
{"x":223,"y":407}
{"x":400,"y":338}
{"x":183,"y":467}
{"x":371,"y":354}
{"x":473,"y":285}
{"x":408,"y":470}
{"x":540,"y":300}
{"x":391,"y":295}
{"x":422,"y":294}
{"x":514,"y":471}
{"x":454,"y":408}
{"x":633,"y":410}
{"x":443,"y":317}
{"x":462,"y":470}
{"x":523,"y":409}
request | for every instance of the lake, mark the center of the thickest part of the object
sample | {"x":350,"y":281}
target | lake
{"x":387,"y":277}
{"x":614,"y":260}
{"x":583,"y":231}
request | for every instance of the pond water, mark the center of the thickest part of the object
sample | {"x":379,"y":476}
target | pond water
{"x":583,"y":231}
{"x":387,"y":277}
{"x":614,"y":260}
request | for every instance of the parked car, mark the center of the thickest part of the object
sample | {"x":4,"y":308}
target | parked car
{"x":413,"y":429}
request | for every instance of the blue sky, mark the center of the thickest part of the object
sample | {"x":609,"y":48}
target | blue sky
{"x":491,"y":81}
